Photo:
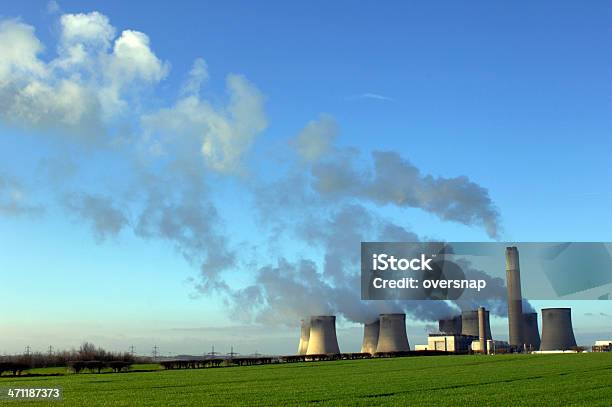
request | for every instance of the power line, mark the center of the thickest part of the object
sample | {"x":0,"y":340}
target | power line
{"x":213,"y":353}
{"x":232,"y":353}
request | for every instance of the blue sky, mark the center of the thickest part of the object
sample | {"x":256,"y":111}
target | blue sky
{"x":109,"y":183}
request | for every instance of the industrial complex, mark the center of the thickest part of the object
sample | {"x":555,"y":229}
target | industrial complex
{"x":469,"y":332}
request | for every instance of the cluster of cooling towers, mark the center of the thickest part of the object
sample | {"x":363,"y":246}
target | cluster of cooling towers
{"x":387,"y":334}
{"x":557,"y":331}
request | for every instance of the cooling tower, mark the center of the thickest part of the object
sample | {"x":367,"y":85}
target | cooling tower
{"x":322,"y":337}
{"x":482,"y":330}
{"x":469,"y":323}
{"x":370,"y":337}
{"x":304,"y":336}
{"x":515,"y":298}
{"x":392,"y":335}
{"x":557,"y":331}
{"x":450,"y":326}
{"x":531,"y":333}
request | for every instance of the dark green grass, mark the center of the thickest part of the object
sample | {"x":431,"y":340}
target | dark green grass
{"x":570,"y":379}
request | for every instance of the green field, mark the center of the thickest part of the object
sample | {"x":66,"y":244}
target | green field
{"x":570,"y":379}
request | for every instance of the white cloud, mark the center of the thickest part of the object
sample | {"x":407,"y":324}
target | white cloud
{"x":64,"y":104}
{"x":131,"y":64}
{"x":31,"y":95}
{"x":97,"y":78}
{"x":88,"y":83}
{"x":373,"y":96}
{"x":91,"y":28}
{"x":13,"y":199}
{"x":316,"y":139}
{"x":19,"y":49}
{"x":132,"y":59}
{"x":53,"y":7}
{"x":224,"y":134}
{"x":198,"y":75}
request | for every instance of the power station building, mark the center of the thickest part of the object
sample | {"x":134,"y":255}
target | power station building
{"x":531,"y":333}
{"x":304,"y":337}
{"x":451,"y":326}
{"x":450,"y":343}
{"x":370,"y":337}
{"x":392,"y":334}
{"x":515,"y":297}
{"x":322,"y":338}
{"x":557,"y":330}
{"x":469,"y":324}
{"x":470,"y":331}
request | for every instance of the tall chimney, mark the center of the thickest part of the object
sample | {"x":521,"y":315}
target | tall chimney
{"x":469,"y":324}
{"x":557,"y":330}
{"x":392,"y":335}
{"x":304,"y":337}
{"x":515,"y":298}
{"x":482,"y":330}
{"x":322,"y":339}
{"x":531,"y":333}
{"x":370,"y":337}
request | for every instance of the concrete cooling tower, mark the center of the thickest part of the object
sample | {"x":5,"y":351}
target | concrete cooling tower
{"x":322,"y":339}
{"x":469,"y":323}
{"x":557,"y":331}
{"x":515,"y":297}
{"x":450,"y":326}
{"x":392,"y":335}
{"x":531,"y":333}
{"x":304,"y":337}
{"x":370,"y":337}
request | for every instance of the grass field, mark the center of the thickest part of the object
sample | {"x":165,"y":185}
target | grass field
{"x":570,"y":379}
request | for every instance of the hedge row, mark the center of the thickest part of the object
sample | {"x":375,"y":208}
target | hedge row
{"x":15,"y":367}
{"x":97,"y":365}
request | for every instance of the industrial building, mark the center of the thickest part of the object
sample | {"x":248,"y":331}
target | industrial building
{"x":468,"y":332}
{"x":450,"y":343}
{"x":602,"y":346}
{"x":492,"y":348}
{"x":469,"y":324}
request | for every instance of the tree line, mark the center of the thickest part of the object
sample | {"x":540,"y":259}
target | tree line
{"x":87,"y":356}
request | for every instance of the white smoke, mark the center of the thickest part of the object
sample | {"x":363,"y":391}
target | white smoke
{"x":326,"y":198}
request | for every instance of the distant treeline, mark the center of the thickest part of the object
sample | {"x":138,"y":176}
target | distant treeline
{"x":88,"y":356}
